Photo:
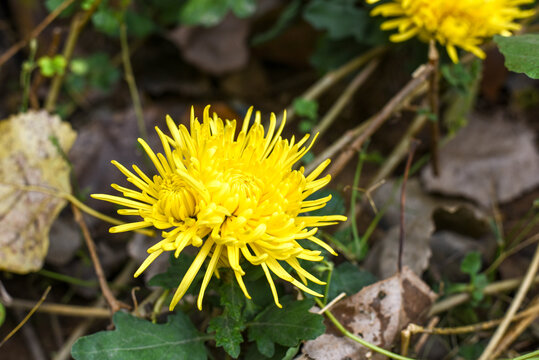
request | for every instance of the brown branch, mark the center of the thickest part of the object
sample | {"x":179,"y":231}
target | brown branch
{"x":62,"y":309}
{"x":413,"y":145}
{"x":434,"y":94}
{"x":345,"y":97}
{"x":515,"y":304}
{"x":495,"y":287}
{"x":64,"y":353}
{"x":529,"y":317}
{"x":35,"y":33}
{"x":377,"y":120}
{"x":114,"y":304}
{"x":334,"y":76}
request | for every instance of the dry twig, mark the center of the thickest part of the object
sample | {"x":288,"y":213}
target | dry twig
{"x":345,"y":97}
{"x":62,"y":309}
{"x":515,"y":304}
{"x":35,"y":33}
{"x":114,"y":304}
{"x":377,"y":120}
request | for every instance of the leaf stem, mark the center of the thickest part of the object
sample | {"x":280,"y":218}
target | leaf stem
{"x":359,"y":340}
{"x":77,"y":24}
{"x":34,"y":308}
{"x":130,"y":80}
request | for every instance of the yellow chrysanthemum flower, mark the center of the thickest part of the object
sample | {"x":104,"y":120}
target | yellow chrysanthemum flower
{"x":229,"y":196}
{"x":452,"y":23}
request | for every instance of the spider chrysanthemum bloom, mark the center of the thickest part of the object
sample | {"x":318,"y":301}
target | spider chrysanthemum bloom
{"x":453,"y":23}
{"x":234,"y":195}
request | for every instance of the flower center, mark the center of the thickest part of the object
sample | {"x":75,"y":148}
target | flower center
{"x":244,"y":184}
{"x":176,"y":199}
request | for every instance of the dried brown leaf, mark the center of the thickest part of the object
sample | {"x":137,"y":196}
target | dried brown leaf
{"x":216,"y":50}
{"x":377,"y":313}
{"x":491,"y":160}
{"x":28,"y":157}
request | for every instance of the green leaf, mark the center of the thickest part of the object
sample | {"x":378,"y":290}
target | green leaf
{"x":87,"y":4}
{"x":341,"y":18}
{"x":107,"y":21}
{"x":479,"y":283}
{"x":2,"y":314}
{"x":306,"y":108}
{"x":52,"y":5}
{"x":471,"y":351}
{"x":252,"y":353}
{"x":175,"y":272}
{"x":52,"y":66}
{"x":471,"y":264}
{"x":286,"y":18}
{"x":229,"y":325}
{"x":335,"y":206}
{"x":211,"y":12}
{"x":227,"y":333}
{"x":330,"y":54}
{"x":458,"y":75}
{"x":136,"y":338}
{"x":349,"y":279}
{"x":521,"y":53}
{"x":243,"y":8}
{"x":461,"y":98}
{"x":79,"y":66}
{"x":96,"y":72}
{"x":287,"y":326}
{"x":138,"y":25}
{"x":232,"y":299}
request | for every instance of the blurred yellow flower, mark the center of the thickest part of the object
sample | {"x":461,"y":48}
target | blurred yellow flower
{"x":230,"y":196}
{"x":452,"y":23}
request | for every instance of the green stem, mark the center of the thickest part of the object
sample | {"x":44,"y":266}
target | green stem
{"x":357,"y":239}
{"x":77,"y":24}
{"x":328,"y":281}
{"x":159,"y":305}
{"x":359,"y":340}
{"x":532,"y":355}
{"x":26,"y":75}
{"x":130,"y":80}
{"x":67,"y":279}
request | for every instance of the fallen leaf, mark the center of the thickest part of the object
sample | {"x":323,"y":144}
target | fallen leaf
{"x":377,"y":313}
{"x":65,"y":241}
{"x":29,"y":157}
{"x":216,"y":50}
{"x":418,"y":230}
{"x":420,"y":212}
{"x":492,"y":160}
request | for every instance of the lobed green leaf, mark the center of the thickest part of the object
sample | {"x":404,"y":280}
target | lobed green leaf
{"x":521,"y":53}
{"x":136,"y":338}
{"x":287,"y":326}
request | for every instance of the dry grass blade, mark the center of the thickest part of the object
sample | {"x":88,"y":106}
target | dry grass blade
{"x":34,"y":309}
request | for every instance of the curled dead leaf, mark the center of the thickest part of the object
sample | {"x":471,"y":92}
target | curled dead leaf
{"x":216,"y":50}
{"x":29,"y":156}
{"x":492,"y":160}
{"x":377,"y":313}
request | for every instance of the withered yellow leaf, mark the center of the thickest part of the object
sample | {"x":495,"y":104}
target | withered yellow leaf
{"x":30,"y":157}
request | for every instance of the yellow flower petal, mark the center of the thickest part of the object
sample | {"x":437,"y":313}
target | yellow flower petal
{"x":236,"y":194}
{"x":463,"y":23}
